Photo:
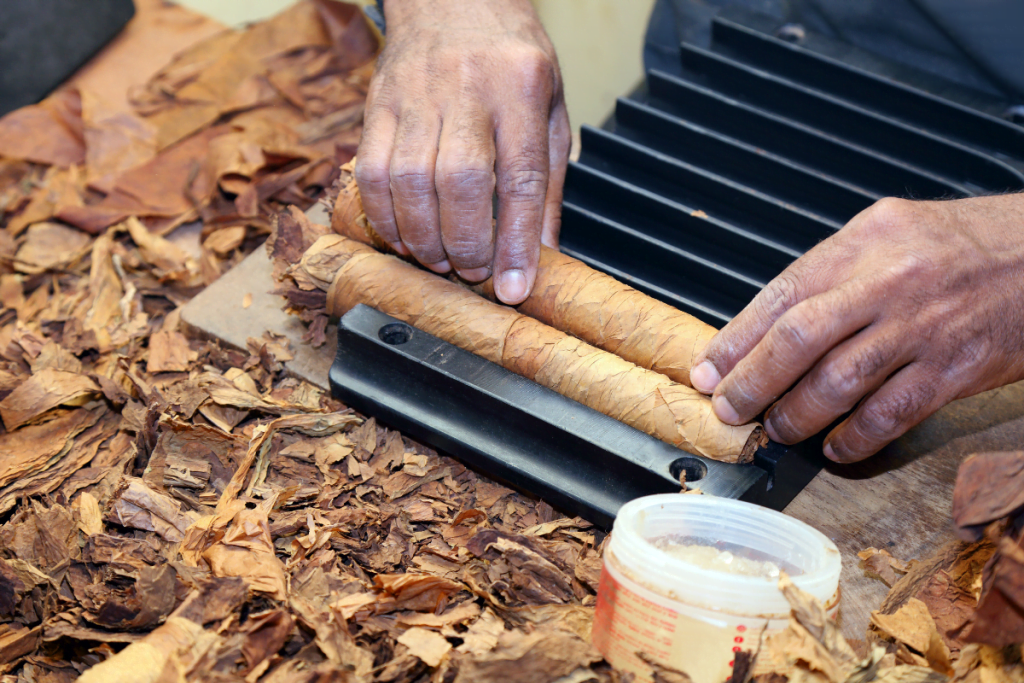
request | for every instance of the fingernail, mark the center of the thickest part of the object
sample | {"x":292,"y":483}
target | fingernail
{"x":705,"y":377}
{"x":829,"y":453}
{"x":399,"y":247}
{"x":511,"y":286}
{"x":475,"y":274}
{"x":440,"y":266}
{"x":726,"y":413}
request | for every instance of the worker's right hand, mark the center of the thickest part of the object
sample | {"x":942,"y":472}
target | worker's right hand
{"x":467,"y":97}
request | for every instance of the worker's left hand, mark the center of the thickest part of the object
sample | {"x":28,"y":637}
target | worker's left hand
{"x":912,"y":305}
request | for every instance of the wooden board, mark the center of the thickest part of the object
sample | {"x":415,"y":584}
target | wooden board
{"x":899,"y":500}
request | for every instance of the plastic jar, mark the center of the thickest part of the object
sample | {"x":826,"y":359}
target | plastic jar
{"x":694,"y":619}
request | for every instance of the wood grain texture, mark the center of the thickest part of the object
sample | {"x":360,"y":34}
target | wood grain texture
{"x":901,"y":498}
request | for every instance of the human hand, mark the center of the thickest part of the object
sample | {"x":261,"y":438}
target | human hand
{"x":912,"y":305}
{"x":467,"y":97}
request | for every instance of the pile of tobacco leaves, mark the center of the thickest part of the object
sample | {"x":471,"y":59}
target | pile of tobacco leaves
{"x":173,"y":510}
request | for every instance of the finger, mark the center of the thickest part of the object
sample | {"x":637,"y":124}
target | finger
{"x":910,"y":396}
{"x":465,"y":186}
{"x":522,"y":183}
{"x":373,"y":174}
{"x":559,"y":142}
{"x":809,"y":275}
{"x":843,"y":377}
{"x":790,"y":347}
{"x":413,"y":161}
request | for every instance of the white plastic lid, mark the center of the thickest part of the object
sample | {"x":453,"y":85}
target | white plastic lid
{"x":812,"y":560}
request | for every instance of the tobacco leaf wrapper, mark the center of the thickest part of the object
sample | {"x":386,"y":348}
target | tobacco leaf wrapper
{"x":571,"y":296}
{"x":353,"y":273}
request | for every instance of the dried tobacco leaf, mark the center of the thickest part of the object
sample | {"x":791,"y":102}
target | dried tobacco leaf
{"x":428,"y":645}
{"x":43,"y":391}
{"x":989,"y":486}
{"x":137,"y":506}
{"x":540,"y":657}
{"x":912,"y":626}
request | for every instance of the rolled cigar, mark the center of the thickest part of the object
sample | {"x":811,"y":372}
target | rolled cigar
{"x":354,"y":273}
{"x":571,"y":296}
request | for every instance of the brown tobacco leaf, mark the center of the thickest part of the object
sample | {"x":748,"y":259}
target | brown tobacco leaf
{"x":34,"y":448}
{"x":811,"y":648}
{"x":44,"y":391}
{"x":663,"y":674}
{"x":147,"y":660}
{"x":115,"y":140}
{"x":169,"y":352}
{"x":416,"y":592}
{"x":990,"y":665}
{"x":989,"y":486}
{"x":913,"y":627}
{"x":333,"y":637}
{"x":264,"y":635}
{"x":882,"y":564}
{"x":59,"y":188}
{"x":999,"y":618}
{"x":47,"y":133}
{"x":245,"y":549}
{"x":540,"y":657}
{"x":16,"y":641}
{"x":50,"y":246}
{"x":482,"y":635}
{"x":947,"y":583}
{"x":532,"y":572}
{"x":169,"y":185}
{"x":137,"y":506}
{"x":428,"y":645}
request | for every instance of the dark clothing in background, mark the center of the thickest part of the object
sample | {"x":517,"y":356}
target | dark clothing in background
{"x":978,"y":43}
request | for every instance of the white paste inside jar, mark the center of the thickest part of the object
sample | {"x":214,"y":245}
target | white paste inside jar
{"x":707,"y":557}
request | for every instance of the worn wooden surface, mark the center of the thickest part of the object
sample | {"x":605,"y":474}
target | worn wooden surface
{"x":899,"y":500}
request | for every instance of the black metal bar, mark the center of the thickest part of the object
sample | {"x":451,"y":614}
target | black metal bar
{"x":698,"y":236}
{"x":773,"y":92}
{"x":707,"y":290}
{"x":746,"y":208}
{"x":578,"y":459}
{"x":748,"y":165}
{"x":998,"y":137}
{"x":793,"y":140}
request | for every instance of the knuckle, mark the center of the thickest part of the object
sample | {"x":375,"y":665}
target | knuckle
{"x":413,"y":178}
{"x":535,"y":71}
{"x":844,"y":379}
{"x":465,"y":183}
{"x":780,"y":295}
{"x":841,"y":381}
{"x":372,"y":176}
{"x":908,"y":266}
{"x":882,"y":419}
{"x":794,"y":330}
{"x":887,"y":418}
{"x":468,"y":252}
{"x":524,"y":181}
{"x":889,"y":213}
{"x":424,"y":248}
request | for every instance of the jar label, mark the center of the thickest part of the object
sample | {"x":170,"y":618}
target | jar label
{"x":626,"y":623}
